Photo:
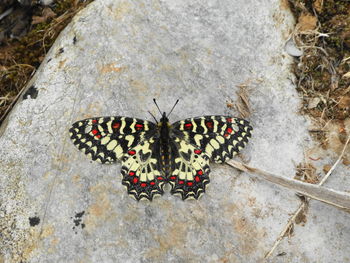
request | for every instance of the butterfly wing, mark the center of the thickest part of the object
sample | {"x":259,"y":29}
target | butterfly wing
{"x":107,"y":139}
{"x":141,"y":170}
{"x":190,"y":169}
{"x":220,"y":137}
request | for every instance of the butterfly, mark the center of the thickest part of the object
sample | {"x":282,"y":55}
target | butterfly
{"x":154,"y":154}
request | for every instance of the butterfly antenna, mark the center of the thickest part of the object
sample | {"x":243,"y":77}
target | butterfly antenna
{"x":153,"y":117}
{"x":173,"y":107}
{"x":155,"y":102}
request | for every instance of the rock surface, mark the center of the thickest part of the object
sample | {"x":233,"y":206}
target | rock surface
{"x":58,"y":206}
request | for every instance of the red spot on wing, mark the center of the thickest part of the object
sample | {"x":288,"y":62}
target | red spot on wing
{"x":226,"y":134}
{"x":139,"y":126}
{"x":189,"y":183}
{"x":181,"y":182}
{"x":131,"y":152}
{"x":172,"y":177}
{"x":160,"y":178}
{"x":98,"y":136}
{"x":229,"y":130}
{"x":116,"y":125}
{"x":94,"y":121}
{"x":200,"y":172}
{"x":188,"y":126}
{"x":143,"y":184}
{"x":229,"y":119}
{"x":135,"y":180}
{"x":197,"y":151}
{"x":209,"y":124}
{"x":197,"y":179}
{"x":94,"y":132}
{"x":152,"y":183}
{"x":132,"y":173}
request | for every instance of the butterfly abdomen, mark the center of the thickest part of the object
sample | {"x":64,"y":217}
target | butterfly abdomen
{"x":165,"y":151}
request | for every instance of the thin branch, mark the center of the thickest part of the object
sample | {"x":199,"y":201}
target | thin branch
{"x":303,"y":204}
{"x":336,"y":163}
{"x":326,"y":195}
{"x":286,"y":229}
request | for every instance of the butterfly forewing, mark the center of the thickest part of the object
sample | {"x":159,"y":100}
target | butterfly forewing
{"x":220,"y":137}
{"x":107,"y":139}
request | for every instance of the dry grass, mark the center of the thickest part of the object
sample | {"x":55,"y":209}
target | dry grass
{"x":242,"y":104}
{"x":306,"y":172}
{"x":19,"y":58}
{"x":323,"y":33}
{"x":323,"y":71}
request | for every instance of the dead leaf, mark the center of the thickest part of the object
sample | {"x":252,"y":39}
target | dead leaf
{"x":318,"y":5}
{"x":306,"y":22}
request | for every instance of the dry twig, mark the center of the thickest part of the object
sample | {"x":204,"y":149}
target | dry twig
{"x":303,"y":205}
{"x":326,"y":195}
{"x":317,"y":192}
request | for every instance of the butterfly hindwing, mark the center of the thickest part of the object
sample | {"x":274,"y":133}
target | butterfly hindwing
{"x":220,"y":137}
{"x":190,"y":169}
{"x":107,"y":139}
{"x":141,"y":170}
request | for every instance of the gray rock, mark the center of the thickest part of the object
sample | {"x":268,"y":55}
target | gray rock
{"x":58,"y":206}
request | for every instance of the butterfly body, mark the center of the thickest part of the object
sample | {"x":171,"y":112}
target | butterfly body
{"x":165,"y":149}
{"x":155,"y":154}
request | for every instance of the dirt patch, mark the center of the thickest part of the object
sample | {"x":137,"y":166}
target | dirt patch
{"x":323,"y":32}
{"x":323,"y":72}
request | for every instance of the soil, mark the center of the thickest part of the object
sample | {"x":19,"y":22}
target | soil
{"x":323,"y":77}
{"x":323,"y":72}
